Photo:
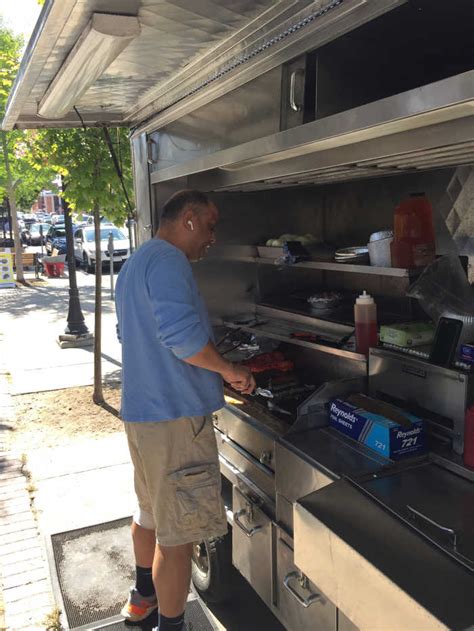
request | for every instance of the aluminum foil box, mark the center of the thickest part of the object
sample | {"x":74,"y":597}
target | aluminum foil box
{"x":467,"y":353}
{"x":376,"y":431}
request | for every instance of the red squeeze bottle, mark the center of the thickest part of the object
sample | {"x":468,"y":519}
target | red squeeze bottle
{"x":469,"y":438}
{"x":365,"y":319}
{"x":413,"y":242}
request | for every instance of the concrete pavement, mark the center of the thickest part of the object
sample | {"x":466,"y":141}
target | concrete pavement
{"x":36,"y":362}
{"x":84,"y":484}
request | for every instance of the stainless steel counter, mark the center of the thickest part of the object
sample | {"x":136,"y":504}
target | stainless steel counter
{"x":333,"y":454}
{"x":380,"y":573}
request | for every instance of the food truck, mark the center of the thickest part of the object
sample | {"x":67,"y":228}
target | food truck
{"x":313,"y":126}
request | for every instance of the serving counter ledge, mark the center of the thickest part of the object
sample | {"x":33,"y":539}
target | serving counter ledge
{"x":376,"y":569}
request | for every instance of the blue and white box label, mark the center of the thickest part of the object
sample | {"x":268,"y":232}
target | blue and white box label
{"x":383,"y":435}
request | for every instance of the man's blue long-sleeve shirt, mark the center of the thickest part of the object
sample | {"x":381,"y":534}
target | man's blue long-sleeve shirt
{"x":162,"y":320}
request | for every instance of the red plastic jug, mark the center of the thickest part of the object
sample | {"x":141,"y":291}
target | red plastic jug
{"x":413,"y":242}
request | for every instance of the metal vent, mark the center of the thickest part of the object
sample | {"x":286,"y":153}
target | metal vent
{"x":409,"y":162}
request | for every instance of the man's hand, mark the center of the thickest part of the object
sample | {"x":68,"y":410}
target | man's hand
{"x":240,"y":378}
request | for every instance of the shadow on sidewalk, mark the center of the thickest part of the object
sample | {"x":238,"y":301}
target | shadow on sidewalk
{"x":49,"y":298}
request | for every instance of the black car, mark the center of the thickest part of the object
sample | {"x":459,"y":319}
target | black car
{"x":56,"y":237}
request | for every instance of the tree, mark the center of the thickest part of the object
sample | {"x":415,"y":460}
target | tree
{"x":9,"y":56}
{"x":83,"y":157}
{"x":20,"y":181}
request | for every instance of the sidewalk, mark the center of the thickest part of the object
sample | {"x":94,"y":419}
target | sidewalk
{"x":35,"y":360}
{"x":26,"y":588}
{"x":81,"y":485}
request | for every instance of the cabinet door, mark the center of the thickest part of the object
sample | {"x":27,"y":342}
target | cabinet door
{"x":252,"y":544}
{"x":301,"y":604}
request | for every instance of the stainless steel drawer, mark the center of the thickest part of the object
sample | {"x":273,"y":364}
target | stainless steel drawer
{"x":301,"y":604}
{"x":246,"y":464}
{"x":294,"y":479}
{"x":247,"y":432}
{"x":252,"y":544}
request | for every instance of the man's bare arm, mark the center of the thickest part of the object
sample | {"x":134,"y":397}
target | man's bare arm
{"x":237,"y":376}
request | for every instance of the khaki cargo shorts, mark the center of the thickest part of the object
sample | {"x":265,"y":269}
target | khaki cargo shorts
{"x":177,"y":479}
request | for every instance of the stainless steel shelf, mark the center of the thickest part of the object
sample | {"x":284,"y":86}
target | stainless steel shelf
{"x":331,"y":266}
{"x":247,"y":254}
{"x":279,"y":330}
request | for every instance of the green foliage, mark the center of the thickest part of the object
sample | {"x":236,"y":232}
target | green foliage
{"x":83,"y":158}
{"x":29,"y":182}
{"x":10,"y":47}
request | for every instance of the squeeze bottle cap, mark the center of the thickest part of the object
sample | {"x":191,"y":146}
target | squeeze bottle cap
{"x":365,"y":299}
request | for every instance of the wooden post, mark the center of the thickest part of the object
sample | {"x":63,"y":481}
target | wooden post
{"x":98,"y":396}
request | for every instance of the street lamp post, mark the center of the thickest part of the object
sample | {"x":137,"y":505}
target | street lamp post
{"x":76,"y":332}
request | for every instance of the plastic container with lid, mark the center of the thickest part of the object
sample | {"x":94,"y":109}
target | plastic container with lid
{"x":413,"y":243}
{"x":365,"y":319}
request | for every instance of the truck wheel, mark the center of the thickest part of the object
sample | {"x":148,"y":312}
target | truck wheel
{"x":211,"y":569}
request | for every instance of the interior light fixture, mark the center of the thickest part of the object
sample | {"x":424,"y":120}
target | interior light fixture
{"x":103,"y":39}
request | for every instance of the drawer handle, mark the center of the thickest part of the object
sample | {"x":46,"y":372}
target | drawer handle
{"x":249,"y":532}
{"x":304,"y":602}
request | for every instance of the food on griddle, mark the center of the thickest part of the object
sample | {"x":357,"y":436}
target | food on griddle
{"x":324,"y":300}
{"x":269,"y":361}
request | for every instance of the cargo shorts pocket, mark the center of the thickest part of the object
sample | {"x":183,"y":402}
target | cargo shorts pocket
{"x":198,"y":500}
{"x":199,"y":426}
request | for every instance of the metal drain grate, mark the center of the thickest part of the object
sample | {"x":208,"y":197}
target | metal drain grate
{"x":94,"y":568}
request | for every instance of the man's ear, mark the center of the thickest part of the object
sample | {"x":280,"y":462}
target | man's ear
{"x":188,"y":220}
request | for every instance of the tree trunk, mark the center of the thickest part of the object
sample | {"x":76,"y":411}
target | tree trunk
{"x":20,"y":277}
{"x":98,"y":396}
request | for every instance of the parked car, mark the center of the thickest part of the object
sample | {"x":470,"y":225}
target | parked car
{"x":84,"y":246}
{"x":35,"y":233}
{"x":56,"y":237}
{"x":28,"y":219}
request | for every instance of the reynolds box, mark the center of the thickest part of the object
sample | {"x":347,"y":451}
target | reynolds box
{"x":388,"y":430}
{"x":467,"y":353}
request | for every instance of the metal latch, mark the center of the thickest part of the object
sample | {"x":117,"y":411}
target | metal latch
{"x":266,"y":457}
{"x":248,"y":512}
{"x":304,"y":584}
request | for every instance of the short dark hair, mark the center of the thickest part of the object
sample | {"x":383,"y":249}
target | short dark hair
{"x":180,"y":200}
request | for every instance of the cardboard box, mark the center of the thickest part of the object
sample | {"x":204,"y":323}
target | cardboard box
{"x":388,"y":430}
{"x":408,"y":334}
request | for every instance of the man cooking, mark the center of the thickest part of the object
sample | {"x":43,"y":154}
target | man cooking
{"x":172,"y":380}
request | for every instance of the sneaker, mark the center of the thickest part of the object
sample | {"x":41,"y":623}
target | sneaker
{"x":138,"y":607}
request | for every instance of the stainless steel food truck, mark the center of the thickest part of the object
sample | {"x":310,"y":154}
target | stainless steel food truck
{"x":308,"y":123}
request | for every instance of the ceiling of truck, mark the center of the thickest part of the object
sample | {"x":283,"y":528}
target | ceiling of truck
{"x":176,"y":38}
